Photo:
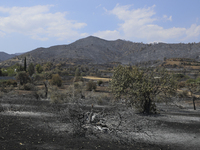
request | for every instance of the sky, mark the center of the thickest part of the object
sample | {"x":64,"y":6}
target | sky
{"x":28,"y":24}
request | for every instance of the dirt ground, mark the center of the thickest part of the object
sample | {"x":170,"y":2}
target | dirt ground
{"x":27,"y":123}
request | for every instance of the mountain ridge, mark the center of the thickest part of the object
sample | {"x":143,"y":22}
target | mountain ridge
{"x":98,"y":51}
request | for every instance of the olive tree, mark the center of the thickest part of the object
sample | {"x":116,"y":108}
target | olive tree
{"x":142,"y":88}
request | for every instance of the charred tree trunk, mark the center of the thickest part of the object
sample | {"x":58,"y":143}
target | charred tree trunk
{"x":46,"y":89}
{"x":147,"y":106}
{"x":193,"y":99}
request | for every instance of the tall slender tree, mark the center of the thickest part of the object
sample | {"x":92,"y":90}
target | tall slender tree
{"x":0,"y":72}
{"x":25,"y":64}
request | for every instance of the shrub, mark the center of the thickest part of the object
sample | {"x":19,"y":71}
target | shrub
{"x":91,"y":86}
{"x":56,"y":80}
{"x":103,"y":100}
{"x":31,"y":69}
{"x":183,"y":94}
{"x":39,"y":68}
{"x":181,"y":84}
{"x":56,"y":97}
{"x":23,"y":78}
{"x":9,"y":83}
{"x":99,"y":82}
{"x":41,"y":93}
{"x":37,"y":77}
{"x":29,"y":86}
{"x":47,"y":75}
{"x":191,"y":81}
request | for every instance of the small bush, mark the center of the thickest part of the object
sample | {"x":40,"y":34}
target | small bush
{"x":12,"y":83}
{"x":56,"y":80}
{"x":56,"y":98}
{"x":91,"y":86}
{"x":8,"y":83}
{"x":37,"y":77}
{"x":99,"y":82}
{"x":41,"y":93}
{"x":190,"y":81}
{"x":181,"y":84}
{"x":47,"y":75}
{"x":29,"y":87}
{"x":183,"y":94}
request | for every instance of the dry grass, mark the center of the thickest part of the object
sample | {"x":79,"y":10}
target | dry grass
{"x":97,"y":78}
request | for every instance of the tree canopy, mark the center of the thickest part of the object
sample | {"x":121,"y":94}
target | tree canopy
{"x":142,"y":88}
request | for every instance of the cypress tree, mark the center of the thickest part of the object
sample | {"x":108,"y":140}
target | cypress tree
{"x":25,"y":64}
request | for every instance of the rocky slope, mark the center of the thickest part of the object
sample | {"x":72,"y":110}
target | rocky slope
{"x":99,"y":51}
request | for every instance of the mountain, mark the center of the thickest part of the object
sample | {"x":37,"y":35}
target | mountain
{"x":99,"y":51}
{"x":4,"y":56}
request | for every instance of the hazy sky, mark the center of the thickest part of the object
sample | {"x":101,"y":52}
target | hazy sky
{"x":29,"y":24}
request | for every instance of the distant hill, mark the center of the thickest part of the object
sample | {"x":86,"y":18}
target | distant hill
{"x":4,"y":56}
{"x":99,"y":51}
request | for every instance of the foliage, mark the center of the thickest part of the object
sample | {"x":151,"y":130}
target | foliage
{"x":178,"y":75}
{"x":142,"y":88}
{"x":190,"y":81}
{"x":77,"y":72}
{"x":29,"y":86}
{"x":56,"y":80}
{"x":31,"y":69}
{"x":10,"y":72}
{"x":8,"y":83}
{"x":181,"y":84}
{"x":91,"y":86}
{"x":25,"y":64}
{"x":47,"y":75}
{"x":37,"y":77}
{"x":63,"y":73}
{"x":0,"y":72}
{"x":23,"y":78}
{"x":48,"y":66}
{"x":39,"y":68}
{"x":19,"y":67}
{"x":99,"y":82}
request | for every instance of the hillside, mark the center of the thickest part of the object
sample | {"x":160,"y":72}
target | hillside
{"x":4,"y":56}
{"x":99,"y":51}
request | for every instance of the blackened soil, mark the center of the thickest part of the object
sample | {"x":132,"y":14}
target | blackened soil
{"x":16,"y":133}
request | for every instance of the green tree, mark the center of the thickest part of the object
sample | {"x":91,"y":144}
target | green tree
{"x":48,"y":66}
{"x":22,"y":77}
{"x":25,"y":64}
{"x":31,"y":69}
{"x":142,"y":88}
{"x":0,"y":72}
{"x":39,"y":68}
{"x":56,"y":80}
{"x":77,"y":72}
{"x":19,"y":68}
